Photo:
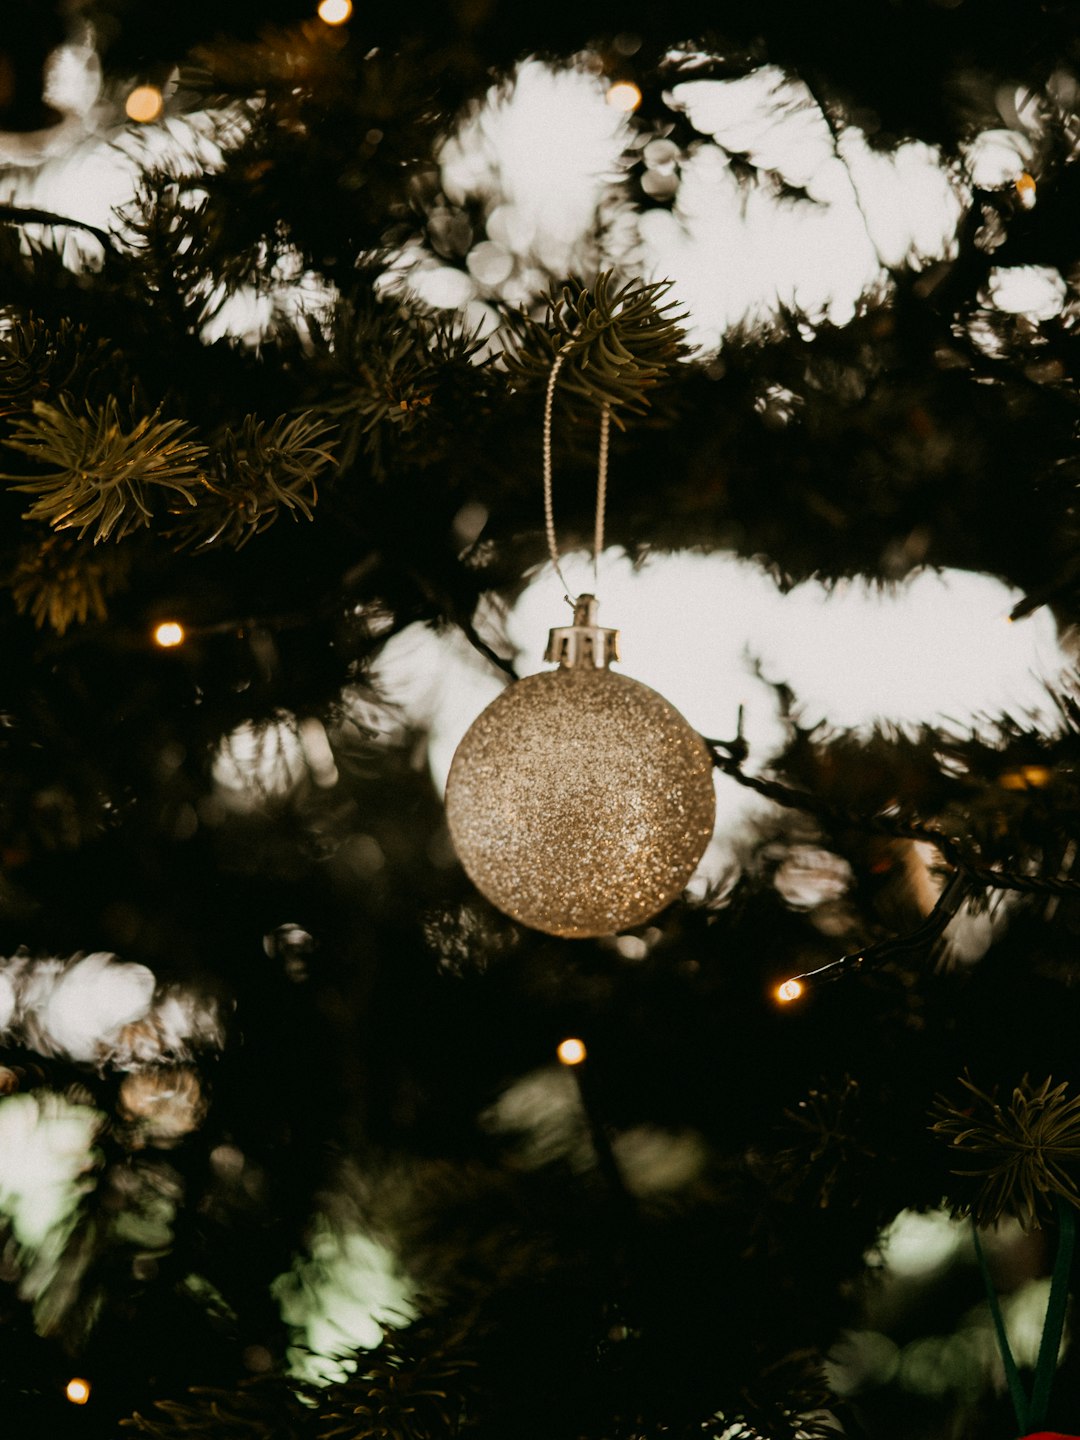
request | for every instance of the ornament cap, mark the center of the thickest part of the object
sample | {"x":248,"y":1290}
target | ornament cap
{"x":584,"y":645}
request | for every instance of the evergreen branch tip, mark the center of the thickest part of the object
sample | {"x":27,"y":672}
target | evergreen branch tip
{"x":1023,"y":1154}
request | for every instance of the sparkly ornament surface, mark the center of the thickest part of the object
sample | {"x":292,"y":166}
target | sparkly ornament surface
{"x":580,"y":801}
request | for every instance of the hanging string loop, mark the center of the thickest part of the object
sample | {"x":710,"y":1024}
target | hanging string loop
{"x":601,"y":480}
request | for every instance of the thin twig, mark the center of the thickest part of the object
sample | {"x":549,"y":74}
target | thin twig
{"x":18,"y":215}
{"x":476,"y":640}
{"x":950,"y":847}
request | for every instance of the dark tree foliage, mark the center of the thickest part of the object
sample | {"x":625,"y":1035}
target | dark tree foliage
{"x":295,"y":504}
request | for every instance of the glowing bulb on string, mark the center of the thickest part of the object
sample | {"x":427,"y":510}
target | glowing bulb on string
{"x":78,"y":1391}
{"x":1025,"y":190}
{"x":168,"y":634}
{"x":335,"y":12}
{"x":145,"y":104}
{"x":571,"y":1052}
{"x":788,"y":991}
{"x":624,"y":95}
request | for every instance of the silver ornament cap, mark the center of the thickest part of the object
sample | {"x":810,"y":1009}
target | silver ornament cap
{"x":580,"y":801}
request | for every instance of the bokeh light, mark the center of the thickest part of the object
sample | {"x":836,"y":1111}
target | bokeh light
{"x":145,"y":104}
{"x":1038,"y":292}
{"x":338,"y":1296}
{"x":78,"y":1390}
{"x":1026,"y":777}
{"x":168,"y":634}
{"x":917,"y":1244}
{"x":624,"y":95}
{"x":542,"y":1118}
{"x":571,"y":1052}
{"x":1026,"y":190}
{"x":161,"y":1105}
{"x":788,"y":991}
{"x":335,"y":12}
{"x":258,"y":761}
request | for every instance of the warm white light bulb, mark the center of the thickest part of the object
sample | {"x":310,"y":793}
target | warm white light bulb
{"x":624,"y":95}
{"x":145,"y":104}
{"x":788,"y":991}
{"x":168,"y":634}
{"x":334,"y":12}
{"x":78,"y":1391}
{"x":571,"y":1052}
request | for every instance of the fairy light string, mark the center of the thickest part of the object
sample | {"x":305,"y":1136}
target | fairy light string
{"x":951,"y":849}
{"x":899,"y":947}
{"x":969,"y":875}
{"x":573,"y":1055}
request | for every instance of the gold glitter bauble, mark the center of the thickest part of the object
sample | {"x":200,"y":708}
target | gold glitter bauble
{"x":580,"y":801}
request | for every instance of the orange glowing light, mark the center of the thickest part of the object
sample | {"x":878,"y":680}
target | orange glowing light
{"x":335,"y":12}
{"x":168,"y":634}
{"x":1025,"y":189}
{"x":571,"y":1052}
{"x":78,"y":1391}
{"x":624,"y":95}
{"x":145,"y":104}
{"x":788,"y":991}
{"x":1026,"y":777}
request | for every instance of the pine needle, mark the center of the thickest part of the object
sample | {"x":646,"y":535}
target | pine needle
{"x":103,"y":477}
{"x":262,"y":1409}
{"x":1024,"y":1154}
{"x":258,"y":471}
{"x":618,"y":344}
{"x":62,"y":581}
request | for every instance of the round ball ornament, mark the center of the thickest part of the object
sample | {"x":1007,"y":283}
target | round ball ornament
{"x":580,"y":801}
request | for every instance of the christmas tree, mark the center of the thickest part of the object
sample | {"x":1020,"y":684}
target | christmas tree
{"x":303,"y":318}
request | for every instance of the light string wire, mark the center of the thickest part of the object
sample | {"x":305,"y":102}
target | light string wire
{"x":969,"y":874}
{"x":951,"y":849}
{"x":601,"y":480}
{"x":959,"y":889}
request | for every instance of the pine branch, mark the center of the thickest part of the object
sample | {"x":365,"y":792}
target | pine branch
{"x":170,"y":238}
{"x":398,"y":1391}
{"x":319,"y":140}
{"x":20,"y":215}
{"x":387,"y":369}
{"x":830,"y":1148}
{"x":963,"y":857}
{"x":776,"y":1424}
{"x":1024,"y":1153}
{"x":256,"y":1410}
{"x":258,"y":471}
{"x":38,"y":361}
{"x":61,"y":581}
{"x":105,"y":477}
{"x":786,"y":1401}
{"x":618,"y":344}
